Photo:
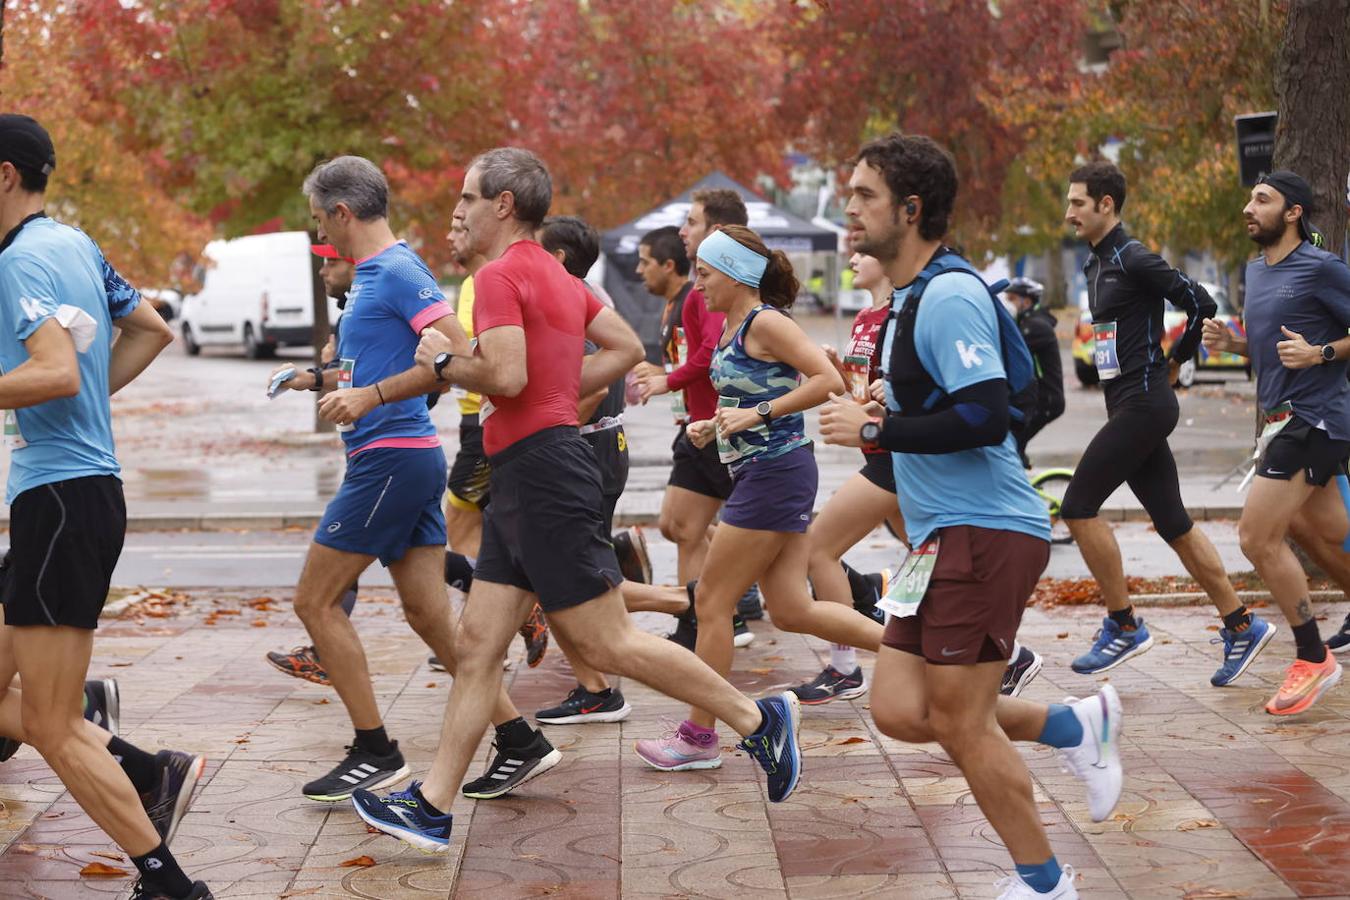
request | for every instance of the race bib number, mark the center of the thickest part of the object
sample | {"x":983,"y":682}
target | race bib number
{"x":678,"y":410}
{"x":13,"y":438}
{"x":911,"y":583}
{"x":857,"y":368}
{"x":1104,"y":350}
{"x":1273,"y":421}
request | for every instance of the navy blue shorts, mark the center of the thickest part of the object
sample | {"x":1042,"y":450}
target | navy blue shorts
{"x":776,"y":494}
{"x":390,"y":500}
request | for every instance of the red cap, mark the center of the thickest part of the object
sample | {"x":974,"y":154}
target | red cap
{"x":328,"y":251}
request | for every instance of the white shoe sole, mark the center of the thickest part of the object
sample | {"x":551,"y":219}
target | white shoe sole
{"x":411,"y":838}
{"x":743,"y":640}
{"x":682,"y":767}
{"x":180,"y":806}
{"x":1251,"y":657}
{"x":1124,"y":657}
{"x":613,"y":715}
{"x":389,"y":780}
{"x":1028,"y":676}
{"x":1110,"y":751}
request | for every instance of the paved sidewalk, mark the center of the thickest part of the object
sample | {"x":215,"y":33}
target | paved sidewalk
{"x":1221,"y":801}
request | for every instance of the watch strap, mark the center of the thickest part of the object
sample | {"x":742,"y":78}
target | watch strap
{"x":317,"y":372}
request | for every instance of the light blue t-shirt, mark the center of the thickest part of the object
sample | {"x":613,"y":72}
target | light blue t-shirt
{"x":956,"y":338}
{"x":49,"y":266}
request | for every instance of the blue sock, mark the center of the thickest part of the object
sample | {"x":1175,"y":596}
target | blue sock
{"x":1062,"y":728}
{"x":1043,"y":878}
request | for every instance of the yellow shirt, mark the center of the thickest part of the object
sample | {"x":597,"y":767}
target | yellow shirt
{"x":469,"y":404}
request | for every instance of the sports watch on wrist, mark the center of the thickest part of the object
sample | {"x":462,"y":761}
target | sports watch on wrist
{"x":765,"y":410}
{"x":870,"y":433}
{"x":317,"y":372}
{"x":1328,"y":353}
{"x":440,"y":362}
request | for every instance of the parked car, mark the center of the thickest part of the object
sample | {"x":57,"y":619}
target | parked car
{"x":166,"y":301}
{"x":257,"y":292}
{"x":1174,"y":321}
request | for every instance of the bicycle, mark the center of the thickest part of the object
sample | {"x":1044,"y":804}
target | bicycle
{"x":1051,"y":485}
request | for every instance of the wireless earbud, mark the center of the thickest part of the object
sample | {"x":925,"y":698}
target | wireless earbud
{"x":909,"y":208}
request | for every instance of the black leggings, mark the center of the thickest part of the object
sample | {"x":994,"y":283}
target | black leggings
{"x":1132,"y":449}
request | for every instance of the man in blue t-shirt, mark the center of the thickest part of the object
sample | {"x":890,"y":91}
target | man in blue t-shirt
{"x":981,"y":535}
{"x":1297,"y":314}
{"x":389,"y":505}
{"x":59,"y":303}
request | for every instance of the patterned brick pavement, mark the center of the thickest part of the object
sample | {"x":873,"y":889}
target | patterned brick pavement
{"x":1221,"y":801}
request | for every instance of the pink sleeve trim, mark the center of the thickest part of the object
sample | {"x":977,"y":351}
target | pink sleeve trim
{"x":431,"y":314}
{"x":400,"y":443}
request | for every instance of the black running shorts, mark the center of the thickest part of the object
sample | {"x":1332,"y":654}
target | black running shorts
{"x":700,"y":471}
{"x":469,"y":473}
{"x":545,"y":530}
{"x":878,"y":469}
{"x":1300,"y":446}
{"x":65,"y":539}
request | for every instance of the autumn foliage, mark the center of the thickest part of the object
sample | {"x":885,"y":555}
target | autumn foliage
{"x":179,"y":119}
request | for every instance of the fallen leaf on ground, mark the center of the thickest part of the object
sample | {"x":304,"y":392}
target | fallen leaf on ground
{"x":359,"y":862}
{"x":99,"y":870}
{"x":259,"y":623}
{"x":1195,"y":824}
{"x":1211,"y":894}
{"x":851,"y":740}
{"x":761,"y":671}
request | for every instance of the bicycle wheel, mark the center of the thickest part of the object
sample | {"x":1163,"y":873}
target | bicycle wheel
{"x":1051,"y":485}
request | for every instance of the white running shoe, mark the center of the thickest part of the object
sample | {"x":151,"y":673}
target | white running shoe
{"x":1014,"y":888}
{"x":1096,"y":761}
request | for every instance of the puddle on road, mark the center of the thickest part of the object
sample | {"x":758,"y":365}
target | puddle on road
{"x":222,"y":486}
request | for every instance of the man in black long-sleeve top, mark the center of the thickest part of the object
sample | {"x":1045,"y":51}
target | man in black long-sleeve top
{"x":1038,"y":330}
{"x":1127,"y":284}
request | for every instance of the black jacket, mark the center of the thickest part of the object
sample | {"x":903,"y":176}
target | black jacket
{"x":1126,"y":284}
{"x":1038,"y":329}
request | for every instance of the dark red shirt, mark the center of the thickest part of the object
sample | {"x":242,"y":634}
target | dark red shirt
{"x":702,"y":330}
{"x":865,"y":341}
{"x":527,"y":287}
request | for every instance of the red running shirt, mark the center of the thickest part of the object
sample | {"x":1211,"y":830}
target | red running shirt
{"x":865,"y":341}
{"x":527,"y":287}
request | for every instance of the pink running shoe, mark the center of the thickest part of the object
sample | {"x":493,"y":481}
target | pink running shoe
{"x":679,"y":751}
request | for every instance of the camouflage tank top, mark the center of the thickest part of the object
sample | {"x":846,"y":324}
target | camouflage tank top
{"x":743,"y":381}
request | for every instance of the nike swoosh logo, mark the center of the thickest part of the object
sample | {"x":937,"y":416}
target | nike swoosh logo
{"x":591,"y":709}
{"x":946,"y":652}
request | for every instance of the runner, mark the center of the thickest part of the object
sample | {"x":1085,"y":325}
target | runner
{"x":543,"y":530}
{"x":1038,"y":330}
{"x":1126,"y":287}
{"x":388,"y":506}
{"x":62,"y":301}
{"x":767,"y":372}
{"x":1297,"y":314}
{"x":982,"y":532}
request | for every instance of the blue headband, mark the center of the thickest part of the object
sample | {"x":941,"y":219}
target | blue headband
{"x":730,"y":257}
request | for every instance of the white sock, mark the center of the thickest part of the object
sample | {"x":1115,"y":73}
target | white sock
{"x":843,"y":658}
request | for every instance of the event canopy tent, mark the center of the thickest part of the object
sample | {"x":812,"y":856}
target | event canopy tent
{"x":780,"y":229}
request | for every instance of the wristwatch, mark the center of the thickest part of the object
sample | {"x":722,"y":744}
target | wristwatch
{"x":440,"y":362}
{"x":765,"y":410}
{"x":870,"y":433}
{"x":1328,"y":352}
{"x":317,"y":372}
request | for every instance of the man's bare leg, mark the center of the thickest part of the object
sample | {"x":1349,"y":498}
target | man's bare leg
{"x":1097,"y":543}
{"x":318,"y":603}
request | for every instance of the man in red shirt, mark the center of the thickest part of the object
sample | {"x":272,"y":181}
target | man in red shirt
{"x":543,"y":534}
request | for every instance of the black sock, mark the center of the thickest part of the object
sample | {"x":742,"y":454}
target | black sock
{"x":515,"y":733}
{"x":605,"y":693}
{"x":1124,"y":618}
{"x":160,"y":869}
{"x":459,"y":571}
{"x":426,"y":804}
{"x":374,"y":740}
{"x":689,"y":589}
{"x":1238,"y":620}
{"x":864,"y":594}
{"x":1309,"y":642}
{"x":139,"y":765}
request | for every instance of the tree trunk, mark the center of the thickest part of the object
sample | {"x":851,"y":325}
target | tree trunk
{"x":322,"y":327}
{"x":1313,"y":136}
{"x":1056,"y":288}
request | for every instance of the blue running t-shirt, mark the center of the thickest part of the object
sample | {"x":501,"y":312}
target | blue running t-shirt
{"x":957,"y":340}
{"x":393,"y":297}
{"x":49,"y":271}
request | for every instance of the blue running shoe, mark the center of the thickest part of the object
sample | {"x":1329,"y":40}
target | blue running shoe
{"x":402,"y":815}
{"x":1114,"y":645}
{"x":775,"y":746}
{"x":1241,"y":649}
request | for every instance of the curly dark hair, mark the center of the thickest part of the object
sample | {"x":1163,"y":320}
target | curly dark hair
{"x":1102,"y":179}
{"x":914,"y":165}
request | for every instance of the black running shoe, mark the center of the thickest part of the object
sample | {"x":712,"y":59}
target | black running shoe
{"x":176,"y":777}
{"x":741,"y":635}
{"x":8,"y":747}
{"x":749,"y":606}
{"x":143,"y":891}
{"x":831,"y":684}
{"x":436,"y":665}
{"x":630,"y":547}
{"x":102,"y":705}
{"x":1020,"y":672}
{"x":865,"y":602}
{"x":582,"y":706}
{"x":1340,"y":641}
{"x":361,"y":769}
{"x":686,"y":630}
{"x":512,"y":767}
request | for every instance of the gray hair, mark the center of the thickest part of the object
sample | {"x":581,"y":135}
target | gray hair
{"x":353,"y":180}
{"x":523,"y":174}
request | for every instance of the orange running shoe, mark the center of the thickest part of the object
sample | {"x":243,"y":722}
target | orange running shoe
{"x":535,"y":634}
{"x":1304,"y":683}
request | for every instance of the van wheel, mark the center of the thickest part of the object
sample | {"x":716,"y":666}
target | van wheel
{"x":254,"y":348}
{"x":190,"y":346}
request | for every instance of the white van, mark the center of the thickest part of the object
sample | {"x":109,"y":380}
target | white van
{"x":257,"y":292}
